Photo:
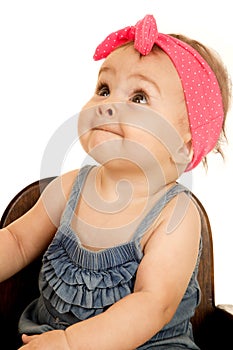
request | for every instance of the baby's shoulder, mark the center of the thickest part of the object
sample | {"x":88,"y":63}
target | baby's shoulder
{"x":181,"y":214}
{"x":56,"y":194}
{"x":67,"y":180}
{"x":63,"y":183}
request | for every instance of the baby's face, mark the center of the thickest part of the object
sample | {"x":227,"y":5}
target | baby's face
{"x":151,"y":81}
{"x":149,"y":86}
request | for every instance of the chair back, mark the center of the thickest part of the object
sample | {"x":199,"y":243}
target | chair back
{"x":203,"y":315}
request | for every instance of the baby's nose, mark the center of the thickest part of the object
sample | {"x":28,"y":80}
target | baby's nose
{"x":106,"y":110}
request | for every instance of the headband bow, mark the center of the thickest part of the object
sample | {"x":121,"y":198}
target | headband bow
{"x":144,"y":34}
{"x":200,"y":86}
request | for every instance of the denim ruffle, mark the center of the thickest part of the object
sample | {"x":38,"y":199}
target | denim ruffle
{"x":83,"y":282}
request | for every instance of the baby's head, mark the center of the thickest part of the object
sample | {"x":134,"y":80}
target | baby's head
{"x":194,"y":85}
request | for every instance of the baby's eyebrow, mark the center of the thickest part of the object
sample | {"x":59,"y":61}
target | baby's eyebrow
{"x":107,"y":69}
{"x":147,"y":79}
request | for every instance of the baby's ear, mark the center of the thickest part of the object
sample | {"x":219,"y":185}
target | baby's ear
{"x":183,"y":155}
{"x":188,"y":145}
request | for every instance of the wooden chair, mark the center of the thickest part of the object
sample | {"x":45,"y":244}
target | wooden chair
{"x":212,"y":325}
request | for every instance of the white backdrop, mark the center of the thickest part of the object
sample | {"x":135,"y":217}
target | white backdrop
{"x":47,"y":74}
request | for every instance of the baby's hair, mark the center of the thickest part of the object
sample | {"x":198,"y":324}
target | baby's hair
{"x":216,"y":64}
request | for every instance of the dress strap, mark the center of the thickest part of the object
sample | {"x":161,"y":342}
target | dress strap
{"x":157,"y":209}
{"x":75,"y":194}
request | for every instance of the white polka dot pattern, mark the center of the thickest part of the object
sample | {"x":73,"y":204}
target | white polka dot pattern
{"x":200,"y":86}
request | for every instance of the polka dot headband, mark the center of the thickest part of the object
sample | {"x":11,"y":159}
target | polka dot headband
{"x":201,"y":90}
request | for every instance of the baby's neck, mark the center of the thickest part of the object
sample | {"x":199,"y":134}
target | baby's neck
{"x":122,"y":184}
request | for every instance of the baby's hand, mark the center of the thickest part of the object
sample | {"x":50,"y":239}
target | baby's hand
{"x":53,"y":340}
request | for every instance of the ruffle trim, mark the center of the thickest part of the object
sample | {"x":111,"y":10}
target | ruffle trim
{"x":85,"y":292}
{"x":67,"y":241}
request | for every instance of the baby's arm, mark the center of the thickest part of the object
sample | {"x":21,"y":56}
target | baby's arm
{"x":161,"y":281}
{"x":27,"y":237}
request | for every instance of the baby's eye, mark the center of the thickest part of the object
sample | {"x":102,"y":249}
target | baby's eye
{"x":103,"y":90}
{"x":139,"y":97}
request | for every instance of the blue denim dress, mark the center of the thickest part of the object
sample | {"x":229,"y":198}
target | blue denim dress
{"x":76,"y":284}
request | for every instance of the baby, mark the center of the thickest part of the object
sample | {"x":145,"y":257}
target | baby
{"x":122,"y":239}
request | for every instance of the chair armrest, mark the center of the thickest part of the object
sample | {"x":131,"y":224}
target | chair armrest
{"x":227,"y":308}
{"x":217,"y":330}
{"x":224,"y":314}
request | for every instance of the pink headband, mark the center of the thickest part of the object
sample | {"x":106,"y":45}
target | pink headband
{"x":200,"y":85}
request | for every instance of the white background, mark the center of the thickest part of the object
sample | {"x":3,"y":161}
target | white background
{"x":47,"y":74}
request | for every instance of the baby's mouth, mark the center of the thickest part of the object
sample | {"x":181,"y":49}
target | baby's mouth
{"x":109,"y":129}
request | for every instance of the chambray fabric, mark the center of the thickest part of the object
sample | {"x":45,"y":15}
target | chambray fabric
{"x":76,"y":284}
